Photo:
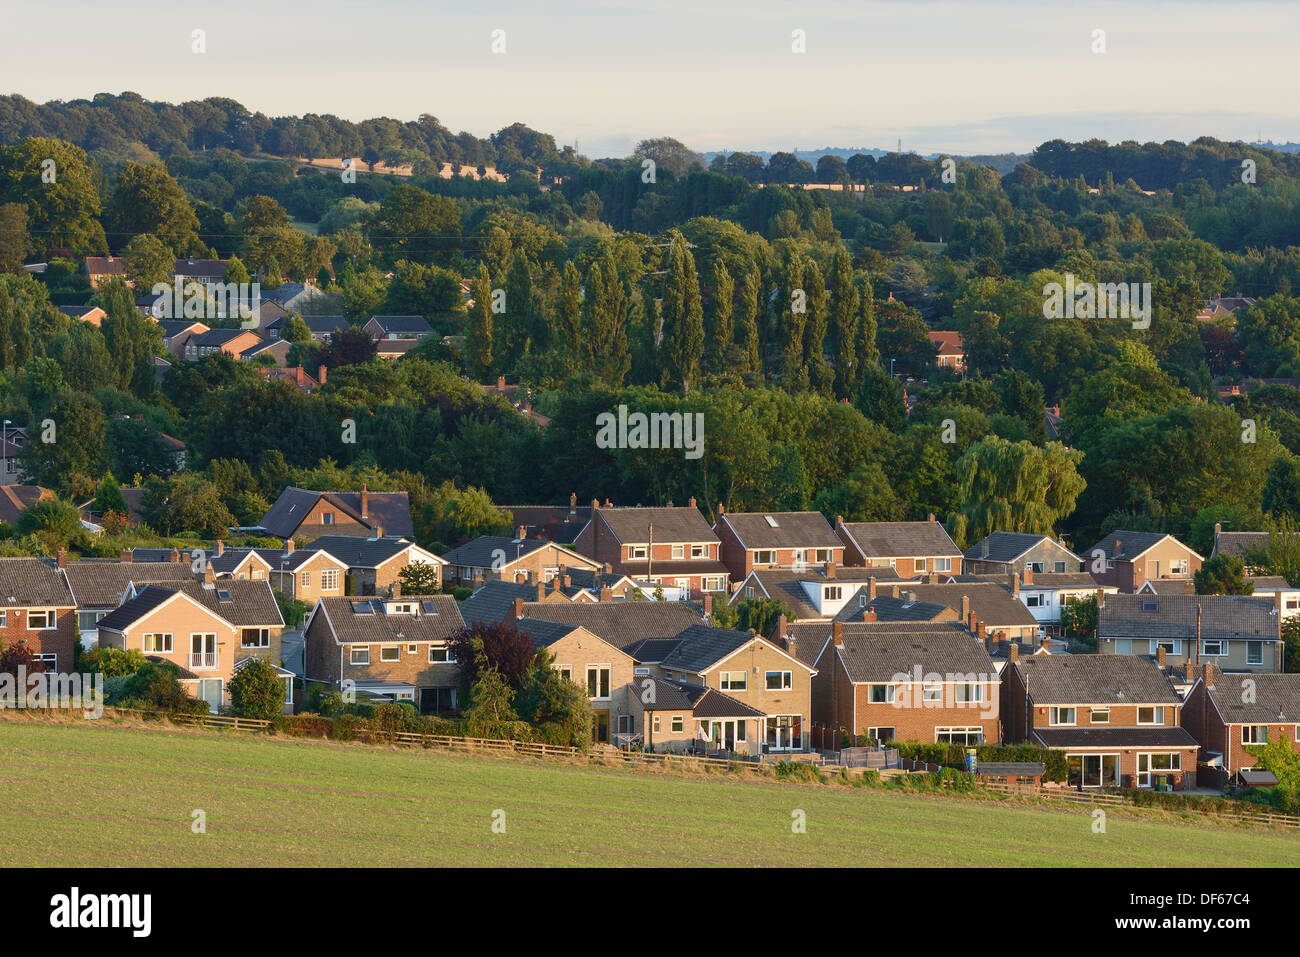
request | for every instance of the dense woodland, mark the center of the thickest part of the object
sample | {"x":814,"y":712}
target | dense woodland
{"x":664,"y":292}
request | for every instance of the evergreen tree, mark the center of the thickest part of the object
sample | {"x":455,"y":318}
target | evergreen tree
{"x":604,"y":321}
{"x":814,"y":337}
{"x":6,"y":322}
{"x":844,"y":319}
{"x":236,"y":272}
{"x":568,"y":315}
{"x":518,"y":318}
{"x":749,"y":313}
{"x":865,"y":348}
{"x":722,"y":330}
{"x":683,"y":318}
{"x":790,"y":318}
{"x":478,"y":327}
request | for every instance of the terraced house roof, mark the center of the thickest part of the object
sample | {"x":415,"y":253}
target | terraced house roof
{"x":102,"y":584}
{"x":1223,"y":617}
{"x":1272,"y":699}
{"x":31,"y":583}
{"x":901,"y":539}
{"x":1096,"y":679}
{"x":876,"y":652}
{"x":621,"y":623}
{"x":782,"y":529}
{"x":366,"y":621}
{"x":681,"y":523}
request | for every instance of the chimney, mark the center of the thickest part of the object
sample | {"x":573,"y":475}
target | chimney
{"x":379,"y":531}
{"x":1188,"y":670}
{"x":568,"y":581}
{"x":288,"y":546}
{"x":965,"y":609}
{"x":606,"y":594}
{"x":970,"y":618}
{"x":979,"y":626}
{"x":595,"y":504}
{"x":1160,"y":655}
{"x":708,"y":603}
{"x":837,"y":631}
{"x":521,"y":532}
{"x":871,"y":588}
{"x":1101,"y":597}
{"x":174,"y":556}
{"x":1207,"y":672}
{"x":365,"y":502}
{"x":1029,"y":576}
{"x":209,"y":576}
{"x":932,"y":516}
{"x":932,"y":578}
{"x":320,"y":375}
{"x":829,"y":569}
{"x":516,"y":610}
{"x":1218,"y":530}
{"x":573,"y":502}
{"x":1015,"y":584}
{"x":501,"y":382}
{"x":792,"y":646}
{"x":869,"y":615}
{"x":1046,"y":644}
{"x":780,"y":627}
{"x":221,"y":548}
{"x":911,"y":598}
{"x":839,"y":520}
{"x":126,"y":555}
{"x":721,"y":509}
{"x":63,"y":557}
{"x":609,"y":569}
{"x":1013,"y":652}
{"x":692,"y":501}
{"x":893,"y":590}
{"x":396,"y":590}
{"x":1118,"y":550}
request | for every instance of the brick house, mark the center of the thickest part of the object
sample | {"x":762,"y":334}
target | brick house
{"x":100,"y":586}
{"x":398,"y":327}
{"x":775,"y":540}
{"x":901,"y":681}
{"x":1227,"y":713}
{"x":949,"y":351}
{"x":1128,"y":559}
{"x":1116,"y":717}
{"x":389,"y":648}
{"x":374,"y":565}
{"x":231,"y":342}
{"x":1238,"y":544}
{"x":672,"y":547}
{"x":988,"y":608}
{"x":817,"y":592}
{"x":516,"y":559}
{"x":37,"y":610}
{"x":305,"y":514}
{"x":1047,"y":594}
{"x":1235,"y":632}
{"x":178,"y":332}
{"x":682,"y":717}
{"x":1001,"y":552}
{"x":910,"y":548}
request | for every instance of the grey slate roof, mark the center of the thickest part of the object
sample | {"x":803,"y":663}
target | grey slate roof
{"x":783,"y":584}
{"x":877,"y":652}
{"x":1159,"y":737}
{"x":680,"y":523}
{"x":1006,"y":546}
{"x":792,"y":529}
{"x":389,"y":510}
{"x":102,"y":584}
{"x":651,"y":650}
{"x":1276,"y":698}
{"x":544,"y":633}
{"x":357,"y":552}
{"x":376,"y":627}
{"x":491,"y":603}
{"x":483,"y":551}
{"x":1061,"y":580}
{"x":30,"y":582}
{"x":1268,"y":582}
{"x":1238,"y":543}
{"x":700,"y":646}
{"x":132,"y":611}
{"x":888,"y":608}
{"x":1132,"y":544}
{"x":1223,"y":617}
{"x":411,"y":325}
{"x":1096,"y":679}
{"x":555,"y":523}
{"x":250,"y":603}
{"x":621,"y":623}
{"x":901,"y":539}
{"x":702,"y":702}
{"x":993,"y":603}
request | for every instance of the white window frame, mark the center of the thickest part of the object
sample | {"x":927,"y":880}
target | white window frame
{"x":150,"y":644}
{"x":1054,"y":714}
{"x":445,"y":649}
{"x":957,"y":735}
{"x":727,"y":681}
{"x":608,"y":673}
{"x":1247,"y":730}
{"x":635,"y":552}
{"x":765,"y":556}
{"x":354,"y":650}
{"x":329,"y":579}
{"x":50,"y":617}
{"x":943,"y":564}
{"x":786,"y":679}
{"x":1157,"y":711}
{"x":678,"y":724}
{"x":1099,"y":715}
{"x":890,"y":693}
{"x":679,"y":551}
{"x":1256,"y":659}
{"x":263,"y":636}
{"x":1220,"y":648}
{"x":699,"y":551}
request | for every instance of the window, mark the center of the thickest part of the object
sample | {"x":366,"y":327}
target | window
{"x":1254,"y":652}
{"x":86,"y":620}
{"x":1036,"y":567}
{"x":919,"y":564}
{"x":258,"y":574}
{"x":1150,"y":765}
{"x":1212,"y":649}
{"x":3,"y":618}
{"x":832,"y":592}
{"x":327,"y":518}
{"x":566,"y":671}
{"x":1099,"y":715}
{"x":360,"y":655}
{"x":636,"y":551}
{"x":42,"y":619}
{"x":255,"y":638}
{"x":1123,"y":646}
{"x":624,"y":725}
{"x":749,"y":591}
{"x":931,"y":692}
{"x":1060,"y":716}
{"x":1153,"y":715}
{"x":969,"y":693}
{"x":640,"y":671}
{"x":880,"y":735}
{"x":778,"y":680}
{"x":733,"y":680}
{"x":678,"y":724}
{"x":1172,"y":646}
{"x":960,"y":735}
{"x":439,"y":653}
{"x":699,"y":551}
{"x":679,"y":551}
{"x":203,"y":650}
{"x":1254,"y":734}
{"x":304,"y":579}
{"x":880,"y":694}
{"x":598,"y":681}
{"x":1058,"y":567}
{"x":765,"y":558}
{"x":157,"y":643}
{"x":943,"y":564}
{"x":1034,"y":600}
{"x":655,"y":723}
{"x":822,"y":555}
{"x":329,"y":579}
{"x":390,"y":653}
{"x":1178,"y":567}
{"x":49,"y":663}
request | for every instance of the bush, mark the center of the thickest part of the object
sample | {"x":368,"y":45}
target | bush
{"x":257,"y":690}
{"x":114,"y":662}
{"x":390,"y":717}
{"x":157,"y":685}
{"x":1056,"y":767}
{"x":346,"y":727}
{"x":799,"y":771}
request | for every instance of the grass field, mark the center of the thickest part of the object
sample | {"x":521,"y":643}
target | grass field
{"x":114,"y":795}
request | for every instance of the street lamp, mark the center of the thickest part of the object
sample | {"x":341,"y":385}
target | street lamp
{"x":891,"y":368}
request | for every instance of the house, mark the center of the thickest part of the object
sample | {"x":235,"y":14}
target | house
{"x":268,"y":312}
{"x":294,"y":296}
{"x":518,"y":397}
{"x":672,"y":547}
{"x":277,"y":350}
{"x":511,"y":559}
{"x":296,"y":376}
{"x":775,"y":540}
{"x":12,"y":440}
{"x":604,"y":670}
{"x":949,"y":352}
{"x":231,"y":342}
{"x":552,"y":523}
{"x":88,"y":314}
{"x":494,"y":601}
{"x":398,"y":327}
{"x":587,"y":584}
{"x":900,"y":681}
{"x":1228,"y":713}
{"x":818,"y":592}
{"x":680,"y":716}
{"x":1047,"y":594}
{"x":202,"y":627}
{"x":1275,"y":587}
{"x":100,"y":269}
{"x":1235,"y":632}
{"x":621,"y":623}
{"x":394,"y":348}
{"x":989,"y":609}
{"x":1116,"y":717}
{"x":1222,"y":307}
{"x":305,"y":514}
{"x":154,"y":305}
{"x":177,"y":334}
{"x":1239,"y":544}
{"x":1127,"y":559}
{"x":36,"y":610}
{"x":910,"y":548}
{"x":374,"y":565}
{"x":98,"y":587}
{"x":394,"y":649}
{"x":15,"y":498}
{"x":904,"y":606}
{"x":202,"y":271}
{"x":1001,"y":552}
{"x":134,"y":498}
{"x":322,"y":328}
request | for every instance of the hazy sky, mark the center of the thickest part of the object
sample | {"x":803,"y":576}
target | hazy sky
{"x":717,"y":74}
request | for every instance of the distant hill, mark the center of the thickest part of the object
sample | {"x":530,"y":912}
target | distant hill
{"x":1002,"y":162}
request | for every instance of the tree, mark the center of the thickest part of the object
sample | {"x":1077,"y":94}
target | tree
{"x":683,"y":317}
{"x":14,"y":240}
{"x":109,"y":498}
{"x":235,"y":272}
{"x":59,"y":186}
{"x":1079,"y":619}
{"x":568,"y":313}
{"x":296,"y":329}
{"x":349,"y":347}
{"x":722,"y":330}
{"x":478,"y":327}
{"x":496,"y":646}
{"x":16,"y":656}
{"x":814,"y":338}
{"x":844,"y":318}
{"x":114,"y":662}
{"x":54,"y":521}
{"x":257,"y":690}
{"x":865,"y":496}
{"x":76,"y":451}
{"x":262,"y":212}
{"x":760,"y":614}
{"x":412,"y":224}
{"x":556,"y":706}
{"x":1015,"y":487}
{"x":147,"y":199}
{"x":490,"y":713}
{"x":669,"y":154}
{"x":419,"y":578}
{"x":156,"y":684}
{"x":750,"y":338}
{"x":132,"y":338}
{"x":149,"y":263}
{"x":1223,"y":575}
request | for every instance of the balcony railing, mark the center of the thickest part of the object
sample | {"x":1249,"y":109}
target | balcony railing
{"x":207,"y":659}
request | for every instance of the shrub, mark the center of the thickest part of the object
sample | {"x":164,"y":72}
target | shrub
{"x":346,"y":727}
{"x":799,"y":771}
{"x":114,"y":662}
{"x":390,"y":717}
{"x":257,"y":690}
{"x":157,"y":685}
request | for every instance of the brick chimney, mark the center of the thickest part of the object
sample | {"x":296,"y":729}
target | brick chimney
{"x":965,"y":608}
{"x":320,"y":375}
{"x":1046,"y":644}
{"x":708,"y":603}
{"x":568,"y":581}
{"x":516,"y":610}
{"x":595,"y":504}
{"x":1207,"y":672}
{"x":501,"y":382}
{"x":692,"y":501}
{"x":1119,"y":550}
{"x":971,"y":619}
{"x":780,"y":627}
{"x":126,"y":555}
{"x":932,"y":578}
{"x":869,"y":615}
{"x":839,"y":520}
{"x":378,"y":531}
{"x":63,"y":557}
{"x":521,"y":532}
{"x":606,"y":594}
{"x":1160,"y":655}
{"x":871,"y":588}
{"x":792,"y":646}
{"x":721,"y":509}
{"x":932,"y":516}
{"x":1013,"y":652}
{"x":365,"y":502}
{"x":174,"y":556}
{"x":209,"y":576}
{"x":1015,"y":584}
{"x":837,"y":631}
{"x":1188,"y":669}
{"x":288,"y":546}
{"x":573,"y":502}
{"x":829,"y":569}
{"x":221,"y":548}
{"x":395,"y":590}
{"x":1029,"y":576}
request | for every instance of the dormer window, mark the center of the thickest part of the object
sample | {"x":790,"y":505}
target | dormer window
{"x":833,"y":592}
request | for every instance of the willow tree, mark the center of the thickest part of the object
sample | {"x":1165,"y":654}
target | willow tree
{"x":1014,"y":487}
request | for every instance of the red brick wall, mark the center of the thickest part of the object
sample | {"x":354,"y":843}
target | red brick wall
{"x":60,"y":640}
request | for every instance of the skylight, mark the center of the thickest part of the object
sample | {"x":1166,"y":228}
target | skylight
{"x":362,"y":608}
{"x":771,"y":521}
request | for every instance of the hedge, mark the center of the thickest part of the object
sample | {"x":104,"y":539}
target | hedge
{"x":1056,"y":768}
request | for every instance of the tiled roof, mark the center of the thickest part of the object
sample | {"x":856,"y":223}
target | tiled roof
{"x":1096,"y":679}
{"x":1174,"y":616}
{"x":702,"y":645}
{"x":544,"y":633}
{"x":1268,"y":582}
{"x":1008,"y":546}
{"x":888,"y":608}
{"x":364,"y":621}
{"x":200,"y":267}
{"x":559,"y":523}
{"x":491,"y":603}
{"x":651,"y":650}
{"x":1274,"y":699}
{"x":782,"y":529}
{"x":15,"y":498}
{"x":389,"y":510}
{"x":702,"y":702}
{"x":489,"y":550}
{"x":407,"y":324}
{"x":949,"y":342}
{"x":681,"y":523}
{"x":901,"y":539}
{"x":30,"y":582}
{"x":245,"y":604}
{"x":993,"y":603}
{"x":783,"y":584}
{"x":102,"y":584}
{"x":878,"y":652}
{"x":145,"y":601}
{"x":1060,"y":580}
{"x":1158,"y":737}
{"x":1239,"y":543}
{"x":357,"y":552}
{"x":1132,"y":544}
{"x":621,"y":623}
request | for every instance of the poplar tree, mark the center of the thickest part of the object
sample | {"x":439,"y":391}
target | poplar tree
{"x":683,"y":318}
{"x":844,"y":317}
{"x":791,"y":316}
{"x":814,"y":335}
{"x":518,"y":318}
{"x":478,"y":330}
{"x":868,"y":354}
{"x":568,"y":315}
{"x":722,"y":329}
{"x":749,"y":312}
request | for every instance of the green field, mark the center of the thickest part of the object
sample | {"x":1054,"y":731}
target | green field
{"x":86,"y":794}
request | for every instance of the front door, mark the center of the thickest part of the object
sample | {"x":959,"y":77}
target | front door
{"x":600,"y":727}
{"x":684,"y":589}
{"x":210,"y":691}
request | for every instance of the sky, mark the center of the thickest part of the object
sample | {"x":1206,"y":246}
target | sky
{"x":965,"y":77}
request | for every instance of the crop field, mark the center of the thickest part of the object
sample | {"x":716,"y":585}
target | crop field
{"x":88,"y":794}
